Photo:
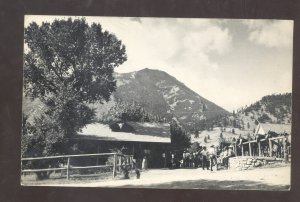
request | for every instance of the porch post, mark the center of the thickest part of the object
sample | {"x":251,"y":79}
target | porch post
{"x":270,"y":148}
{"x":259,"y":151}
{"x":235,"y":149}
{"x":250,"y":149}
{"x":242,"y":150}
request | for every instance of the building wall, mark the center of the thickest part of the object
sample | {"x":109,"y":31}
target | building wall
{"x":152,"y":151}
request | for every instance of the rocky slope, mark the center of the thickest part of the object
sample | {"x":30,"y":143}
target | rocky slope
{"x":160,"y":94}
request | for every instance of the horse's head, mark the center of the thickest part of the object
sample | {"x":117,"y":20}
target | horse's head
{"x":271,"y":134}
{"x":259,"y":137}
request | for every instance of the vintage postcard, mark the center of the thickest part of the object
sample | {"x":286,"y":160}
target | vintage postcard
{"x":168,"y":103}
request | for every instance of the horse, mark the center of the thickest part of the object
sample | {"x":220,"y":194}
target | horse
{"x":239,"y":144}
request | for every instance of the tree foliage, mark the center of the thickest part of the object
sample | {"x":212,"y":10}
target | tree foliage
{"x":195,"y":147}
{"x":67,"y":64}
{"x":277,"y":105}
{"x":264,"y":118}
{"x":123,"y":111}
{"x":179,"y":138}
{"x":70,"y":55}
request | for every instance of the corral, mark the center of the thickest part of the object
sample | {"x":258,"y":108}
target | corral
{"x":271,"y":143}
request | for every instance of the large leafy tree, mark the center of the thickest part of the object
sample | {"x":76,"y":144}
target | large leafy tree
{"x":67,"y":64}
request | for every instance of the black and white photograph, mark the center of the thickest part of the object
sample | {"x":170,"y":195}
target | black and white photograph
{"x":153,"y":102}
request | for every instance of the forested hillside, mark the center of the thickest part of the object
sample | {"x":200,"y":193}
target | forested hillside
{"x":276,"y":108}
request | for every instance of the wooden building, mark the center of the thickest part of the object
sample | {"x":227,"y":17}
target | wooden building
{"x":142,"y":138}
{"x":269,"y":138}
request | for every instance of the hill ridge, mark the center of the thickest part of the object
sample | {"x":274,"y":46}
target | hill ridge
{"x":162,"y":94}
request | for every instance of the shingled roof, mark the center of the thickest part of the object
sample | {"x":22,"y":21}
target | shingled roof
{"x":143,"y":132}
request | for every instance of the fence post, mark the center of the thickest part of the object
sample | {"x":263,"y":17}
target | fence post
{"x":68,"y":167}
{"x":114,"y":166}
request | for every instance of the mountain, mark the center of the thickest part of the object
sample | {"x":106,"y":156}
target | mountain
{"x":151,"y":93}
{"x":160,"y":94}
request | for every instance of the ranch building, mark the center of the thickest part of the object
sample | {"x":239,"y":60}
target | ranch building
{"x":145,"y":139}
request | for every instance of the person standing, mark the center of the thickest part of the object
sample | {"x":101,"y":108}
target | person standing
{"x":164,"y":160}
{"x":226,"y":156}
{"x":138,"y":157}
{"x":204,"y":158}
{"x":184,"y":157}
{"x":212,"y":157}
{"x":173,"y":160}
{"x":230,"y":154}
{"x":145,"y":163}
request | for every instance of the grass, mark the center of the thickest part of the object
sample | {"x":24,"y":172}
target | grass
{"x":215,"y":135}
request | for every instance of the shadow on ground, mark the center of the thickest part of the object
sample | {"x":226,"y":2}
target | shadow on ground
{"x":214,"y":184}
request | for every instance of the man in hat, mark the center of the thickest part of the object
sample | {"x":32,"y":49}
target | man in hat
{"x":229,"y":153}
{"x":184,"y":158}
{"x":212,"y":157}
{"x":204,"y":158}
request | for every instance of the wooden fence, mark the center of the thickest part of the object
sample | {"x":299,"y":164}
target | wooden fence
{"x":119,"y":160}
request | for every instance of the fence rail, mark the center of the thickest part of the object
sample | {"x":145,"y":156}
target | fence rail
{"x":66,"y":156}
{"x":117,"y":163}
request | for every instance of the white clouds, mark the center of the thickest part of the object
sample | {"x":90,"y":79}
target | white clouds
{"x":272,"y":34}
{"x":167,"y":43}
{"x":176,"y":43}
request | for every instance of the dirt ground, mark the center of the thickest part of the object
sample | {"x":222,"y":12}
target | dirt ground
{"x":272,"y":178}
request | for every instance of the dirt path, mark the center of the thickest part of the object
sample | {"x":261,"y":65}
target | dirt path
{"x":260,"y":179}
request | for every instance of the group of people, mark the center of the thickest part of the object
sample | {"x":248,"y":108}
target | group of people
{"x":206,"y":158}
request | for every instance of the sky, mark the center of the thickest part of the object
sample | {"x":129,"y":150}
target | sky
{"x":231,"y":62}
